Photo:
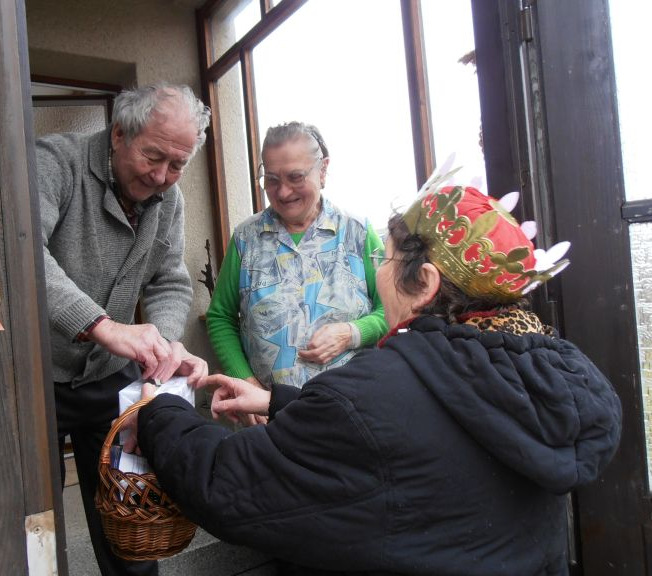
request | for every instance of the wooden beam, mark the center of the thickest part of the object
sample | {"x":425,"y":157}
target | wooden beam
{"x":252,"y":130}
{"x":30,"y":476}
{"x":216,"y":175}
{"x":424,"y":153}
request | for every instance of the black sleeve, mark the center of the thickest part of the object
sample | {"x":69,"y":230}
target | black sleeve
{"x":277,"y":487}
{"x":281,"y":396}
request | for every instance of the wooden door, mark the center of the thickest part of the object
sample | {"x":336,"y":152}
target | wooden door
{"x":597,"y":298}
{"x":551,"y":124}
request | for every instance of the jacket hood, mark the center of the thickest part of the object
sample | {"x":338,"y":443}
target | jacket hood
{"x":535,"y":403}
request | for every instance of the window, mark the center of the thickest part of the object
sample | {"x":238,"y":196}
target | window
{"x":229,"y":23}
{"x":453,"y":84}
{"x":635,"y":120}
{"x":363,"y":112}
{"x":361,"y":72}
{"x":59,"y":106}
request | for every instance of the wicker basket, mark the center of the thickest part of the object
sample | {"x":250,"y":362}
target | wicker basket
{"x":140,"y":521}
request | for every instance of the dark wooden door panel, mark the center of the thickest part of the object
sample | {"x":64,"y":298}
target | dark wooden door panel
{"x":586,"y":185}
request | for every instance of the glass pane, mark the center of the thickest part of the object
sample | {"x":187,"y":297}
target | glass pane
{"x":234,"y":142}
{"x":341,"y":66}
{"x":453,"y":84}
{"x":230,"y":22}
{"x":629,"y":26}
{"x":641,"y":244}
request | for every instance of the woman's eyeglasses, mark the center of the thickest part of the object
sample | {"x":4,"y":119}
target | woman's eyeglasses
{"x":270,"y":183}
{"x":379,"y":260}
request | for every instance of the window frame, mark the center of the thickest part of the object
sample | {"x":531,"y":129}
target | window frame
{"x":242,"y":53}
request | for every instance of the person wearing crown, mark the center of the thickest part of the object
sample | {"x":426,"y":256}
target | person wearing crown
{"x":450,"y":448}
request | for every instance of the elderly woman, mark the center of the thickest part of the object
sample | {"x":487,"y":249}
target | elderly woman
{"x":296,"y":292}
{"x":448,"y":449}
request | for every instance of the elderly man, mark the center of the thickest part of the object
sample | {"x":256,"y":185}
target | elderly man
{"x":112,"y":228}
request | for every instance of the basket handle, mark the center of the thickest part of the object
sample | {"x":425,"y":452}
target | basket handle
{"x":105,"y":453}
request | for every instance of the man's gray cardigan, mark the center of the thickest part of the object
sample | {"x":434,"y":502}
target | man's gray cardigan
{"x":94,"y":261}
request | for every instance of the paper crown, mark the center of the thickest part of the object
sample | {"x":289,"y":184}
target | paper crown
{"x":476,"y":243}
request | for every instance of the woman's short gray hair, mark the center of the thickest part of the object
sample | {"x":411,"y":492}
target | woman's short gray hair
{"x":132,"y":109}
{"x":278,"y":135}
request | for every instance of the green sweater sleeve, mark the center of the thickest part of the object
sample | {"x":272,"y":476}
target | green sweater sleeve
{"x":373,"y":326}
{"x":222,"y":318}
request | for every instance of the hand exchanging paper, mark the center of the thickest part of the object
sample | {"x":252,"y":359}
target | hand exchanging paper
{"x":131,"y":424}
{"x":239,"y":400}
{"x":143,"y":343}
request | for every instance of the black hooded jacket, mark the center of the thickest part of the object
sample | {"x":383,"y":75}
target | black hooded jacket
{"x":448,"y":451}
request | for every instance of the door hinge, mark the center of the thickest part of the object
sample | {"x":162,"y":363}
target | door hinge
{"x":527,"y":25}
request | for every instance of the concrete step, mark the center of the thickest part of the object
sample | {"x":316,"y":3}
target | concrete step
{"x":206,"y":555}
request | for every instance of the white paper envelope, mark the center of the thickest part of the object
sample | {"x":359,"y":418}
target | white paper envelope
{"x":177,"y":385}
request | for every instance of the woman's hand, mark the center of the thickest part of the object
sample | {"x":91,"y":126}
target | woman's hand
{"x":131,"y":424}
{"x":237,"y":399}
{"x":327,"y":343}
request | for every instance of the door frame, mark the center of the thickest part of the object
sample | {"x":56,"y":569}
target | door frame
{"x":31,"y":497}
{"x":550,"y":124}
{"x":573,"y":117}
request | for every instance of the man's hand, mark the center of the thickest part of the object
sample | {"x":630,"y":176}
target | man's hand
{"x":236,"y":398}
{"x":140,"y":342}
{"x":194,"y":367}
{"x":143,"y":343}
{"x":327,"y":343}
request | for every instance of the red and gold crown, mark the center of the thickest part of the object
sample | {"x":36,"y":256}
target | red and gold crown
{"x":476,"y":243}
